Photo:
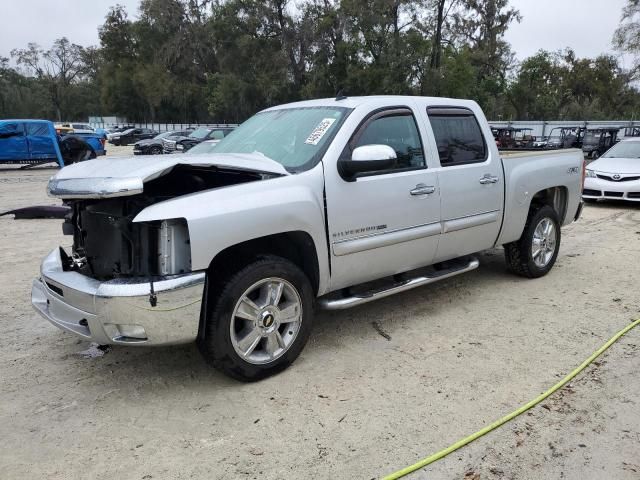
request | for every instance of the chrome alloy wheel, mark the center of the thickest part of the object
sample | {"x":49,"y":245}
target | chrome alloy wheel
{"x":266,"y":320}
{"x":544,"y":242}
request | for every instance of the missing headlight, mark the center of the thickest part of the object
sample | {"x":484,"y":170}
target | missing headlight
{"x":174,"y":251}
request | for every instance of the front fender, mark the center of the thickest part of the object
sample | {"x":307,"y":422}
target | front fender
{"x":224,"y":217}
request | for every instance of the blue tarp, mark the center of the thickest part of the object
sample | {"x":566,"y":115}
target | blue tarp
{"x":29,"y":141}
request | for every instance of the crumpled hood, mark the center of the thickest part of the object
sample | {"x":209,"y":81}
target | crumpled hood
{"x":123,"y":176}
{"x":616,"y":165}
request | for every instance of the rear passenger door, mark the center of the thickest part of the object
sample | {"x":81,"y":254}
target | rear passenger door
{"x":471,"y":182}
{"x":40,"y":141}
{"x":13,"y":143}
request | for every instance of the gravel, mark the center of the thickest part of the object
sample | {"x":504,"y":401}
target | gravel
{"x":357,"y":404}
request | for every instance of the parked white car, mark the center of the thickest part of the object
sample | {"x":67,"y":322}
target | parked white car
{"x":77,"y":127}
{"x":330,"y":203}
{"x":616,"y":174}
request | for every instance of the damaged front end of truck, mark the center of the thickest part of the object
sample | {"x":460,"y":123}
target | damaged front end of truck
{"x":124,"y":281}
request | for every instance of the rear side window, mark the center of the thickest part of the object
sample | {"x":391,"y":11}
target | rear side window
{"x":458,"y":136}
{"x":37,"y":129}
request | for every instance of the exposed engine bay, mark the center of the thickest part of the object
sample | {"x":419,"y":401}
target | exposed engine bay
{"x":107,"y":243}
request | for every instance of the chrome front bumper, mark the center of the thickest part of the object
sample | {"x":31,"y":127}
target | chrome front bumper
{"x":119,"y":311}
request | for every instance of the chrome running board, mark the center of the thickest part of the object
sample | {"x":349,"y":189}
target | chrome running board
{"x":343,"y":302}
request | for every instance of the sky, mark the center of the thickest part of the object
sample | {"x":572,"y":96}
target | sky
{"x":584,"y":25}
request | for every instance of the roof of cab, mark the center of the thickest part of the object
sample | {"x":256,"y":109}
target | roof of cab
{"x":23,"y":120}
{"x":354,"y":102}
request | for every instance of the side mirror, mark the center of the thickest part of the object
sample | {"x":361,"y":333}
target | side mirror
{"x":367,"y":158}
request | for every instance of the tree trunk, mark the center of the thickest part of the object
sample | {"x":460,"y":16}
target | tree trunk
{"x":436,"y":51}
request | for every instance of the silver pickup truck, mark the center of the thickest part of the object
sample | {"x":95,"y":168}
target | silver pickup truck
{"x":325,"y":203}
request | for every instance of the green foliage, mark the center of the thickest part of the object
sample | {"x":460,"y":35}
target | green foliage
{"x":560,"y":86}
{"x":223,"y":60}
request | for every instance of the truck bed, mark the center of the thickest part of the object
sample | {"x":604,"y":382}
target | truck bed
{"x":533,"y":171}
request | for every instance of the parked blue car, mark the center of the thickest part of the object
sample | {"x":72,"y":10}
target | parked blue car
{"x":36,"y":141}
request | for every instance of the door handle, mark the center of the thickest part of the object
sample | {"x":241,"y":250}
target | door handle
{"x":422,"y":189}
{"x":488,"y":178}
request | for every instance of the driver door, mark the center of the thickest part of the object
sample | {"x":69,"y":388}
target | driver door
{"x":384,"y":222}
{"x":13,"y":143}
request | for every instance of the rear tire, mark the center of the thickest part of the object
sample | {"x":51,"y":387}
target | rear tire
{"x":535,"y":253}
{"x":259,"y":319}
{"x":155,"y":151}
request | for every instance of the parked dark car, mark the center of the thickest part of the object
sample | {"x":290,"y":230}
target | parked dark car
{"x":197,"y":136}
{"x":115,"y":130}
{"x":132,"y":135}
{"x":153,"y":146}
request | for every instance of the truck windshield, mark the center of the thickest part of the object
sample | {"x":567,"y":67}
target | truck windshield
{"x":624,"y":150}
{"x":293,"y":137}
{"x":200,"y":133}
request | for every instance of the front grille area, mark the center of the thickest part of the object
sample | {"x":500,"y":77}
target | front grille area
{"x":614,"y":194}
{"x":168,"y":146}
{"x":52,"y":287}
{"x":591,"y":193}
{"x":622,"y":179}
{"x":633,"y":195}
{"x":109,"y":243}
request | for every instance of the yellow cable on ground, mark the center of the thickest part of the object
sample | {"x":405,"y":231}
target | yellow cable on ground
{"x":465,"y":441}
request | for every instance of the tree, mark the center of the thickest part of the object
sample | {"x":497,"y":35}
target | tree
{"x":560,"y":86}
{"x":57,"y":69}
{"x":540,"y":89}
{"x":627,"y":36}
{"x":482,"y":24}
{"x":223,"y":60}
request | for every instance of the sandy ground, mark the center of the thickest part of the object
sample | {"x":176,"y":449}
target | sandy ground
{"x":462,"y":353}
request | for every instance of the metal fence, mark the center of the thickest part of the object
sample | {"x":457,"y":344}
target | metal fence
{"x":162,"y":127}
{"x":540,"y":128}
{"x":543,"y":128}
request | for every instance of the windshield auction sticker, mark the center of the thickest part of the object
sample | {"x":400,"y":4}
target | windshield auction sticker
{"x":319,"y":131}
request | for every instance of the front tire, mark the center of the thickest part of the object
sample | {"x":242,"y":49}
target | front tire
{"x":259,"y":319}
{"x":535,"y":253}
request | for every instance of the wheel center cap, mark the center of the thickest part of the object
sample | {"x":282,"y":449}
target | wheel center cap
{"x":267,"y":320}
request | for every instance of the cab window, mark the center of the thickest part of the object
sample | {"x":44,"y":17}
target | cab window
{"x":37,"y":129}
{"x":458,"y":136}
{"x":11,"y":130}
{"x":398,"y":129}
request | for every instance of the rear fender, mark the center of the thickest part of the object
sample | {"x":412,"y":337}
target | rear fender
{"x":552,"y":178}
